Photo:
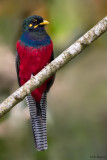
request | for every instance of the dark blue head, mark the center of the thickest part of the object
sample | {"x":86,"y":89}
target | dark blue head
{"x":34,"y":23}
{"x":34,"y":33}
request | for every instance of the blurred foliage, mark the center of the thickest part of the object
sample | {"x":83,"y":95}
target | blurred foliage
{"x":77,"y":103}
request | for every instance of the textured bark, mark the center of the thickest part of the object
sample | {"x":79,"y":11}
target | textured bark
{"x":55,"y":65}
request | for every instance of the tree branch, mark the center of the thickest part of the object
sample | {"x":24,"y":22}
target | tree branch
{"x":55,"y":65}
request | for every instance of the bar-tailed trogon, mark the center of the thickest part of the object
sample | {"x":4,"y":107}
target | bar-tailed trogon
{"x":34,"y":52}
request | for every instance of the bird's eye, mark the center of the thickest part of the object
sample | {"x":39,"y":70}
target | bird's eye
{"x":30,"y":25}
{"x":34,"y":21}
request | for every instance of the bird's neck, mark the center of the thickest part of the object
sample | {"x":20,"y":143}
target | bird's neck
{"x":37,"y":38}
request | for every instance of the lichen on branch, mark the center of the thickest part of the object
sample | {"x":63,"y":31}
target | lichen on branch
{"x":55,"y":65}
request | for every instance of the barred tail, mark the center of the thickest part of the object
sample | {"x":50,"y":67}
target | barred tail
{"x":38,"y":121}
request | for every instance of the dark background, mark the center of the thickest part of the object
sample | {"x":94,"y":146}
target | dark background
{"x":77,"y":103}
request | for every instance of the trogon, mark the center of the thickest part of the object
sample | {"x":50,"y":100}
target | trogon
{"x":34,"y":50}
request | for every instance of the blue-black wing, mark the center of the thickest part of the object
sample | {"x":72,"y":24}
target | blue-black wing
{"x":51,"y":81}
{"x":17,"y":67}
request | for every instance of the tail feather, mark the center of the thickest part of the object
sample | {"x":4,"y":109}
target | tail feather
{"x":43,"y":103}
{"x":38,"y":121}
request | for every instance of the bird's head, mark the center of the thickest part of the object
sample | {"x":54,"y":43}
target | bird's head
{"x":34,"y":23}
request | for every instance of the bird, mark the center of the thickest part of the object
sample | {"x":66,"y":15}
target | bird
{"x":34,"y":50}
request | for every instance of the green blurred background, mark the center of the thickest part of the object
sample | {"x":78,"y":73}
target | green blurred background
{"x":77,"y":103}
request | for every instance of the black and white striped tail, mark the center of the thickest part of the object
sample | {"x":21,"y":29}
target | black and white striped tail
{"x":38,"y":121}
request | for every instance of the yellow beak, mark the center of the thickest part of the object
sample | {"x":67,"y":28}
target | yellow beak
{"x":44,"y":22}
